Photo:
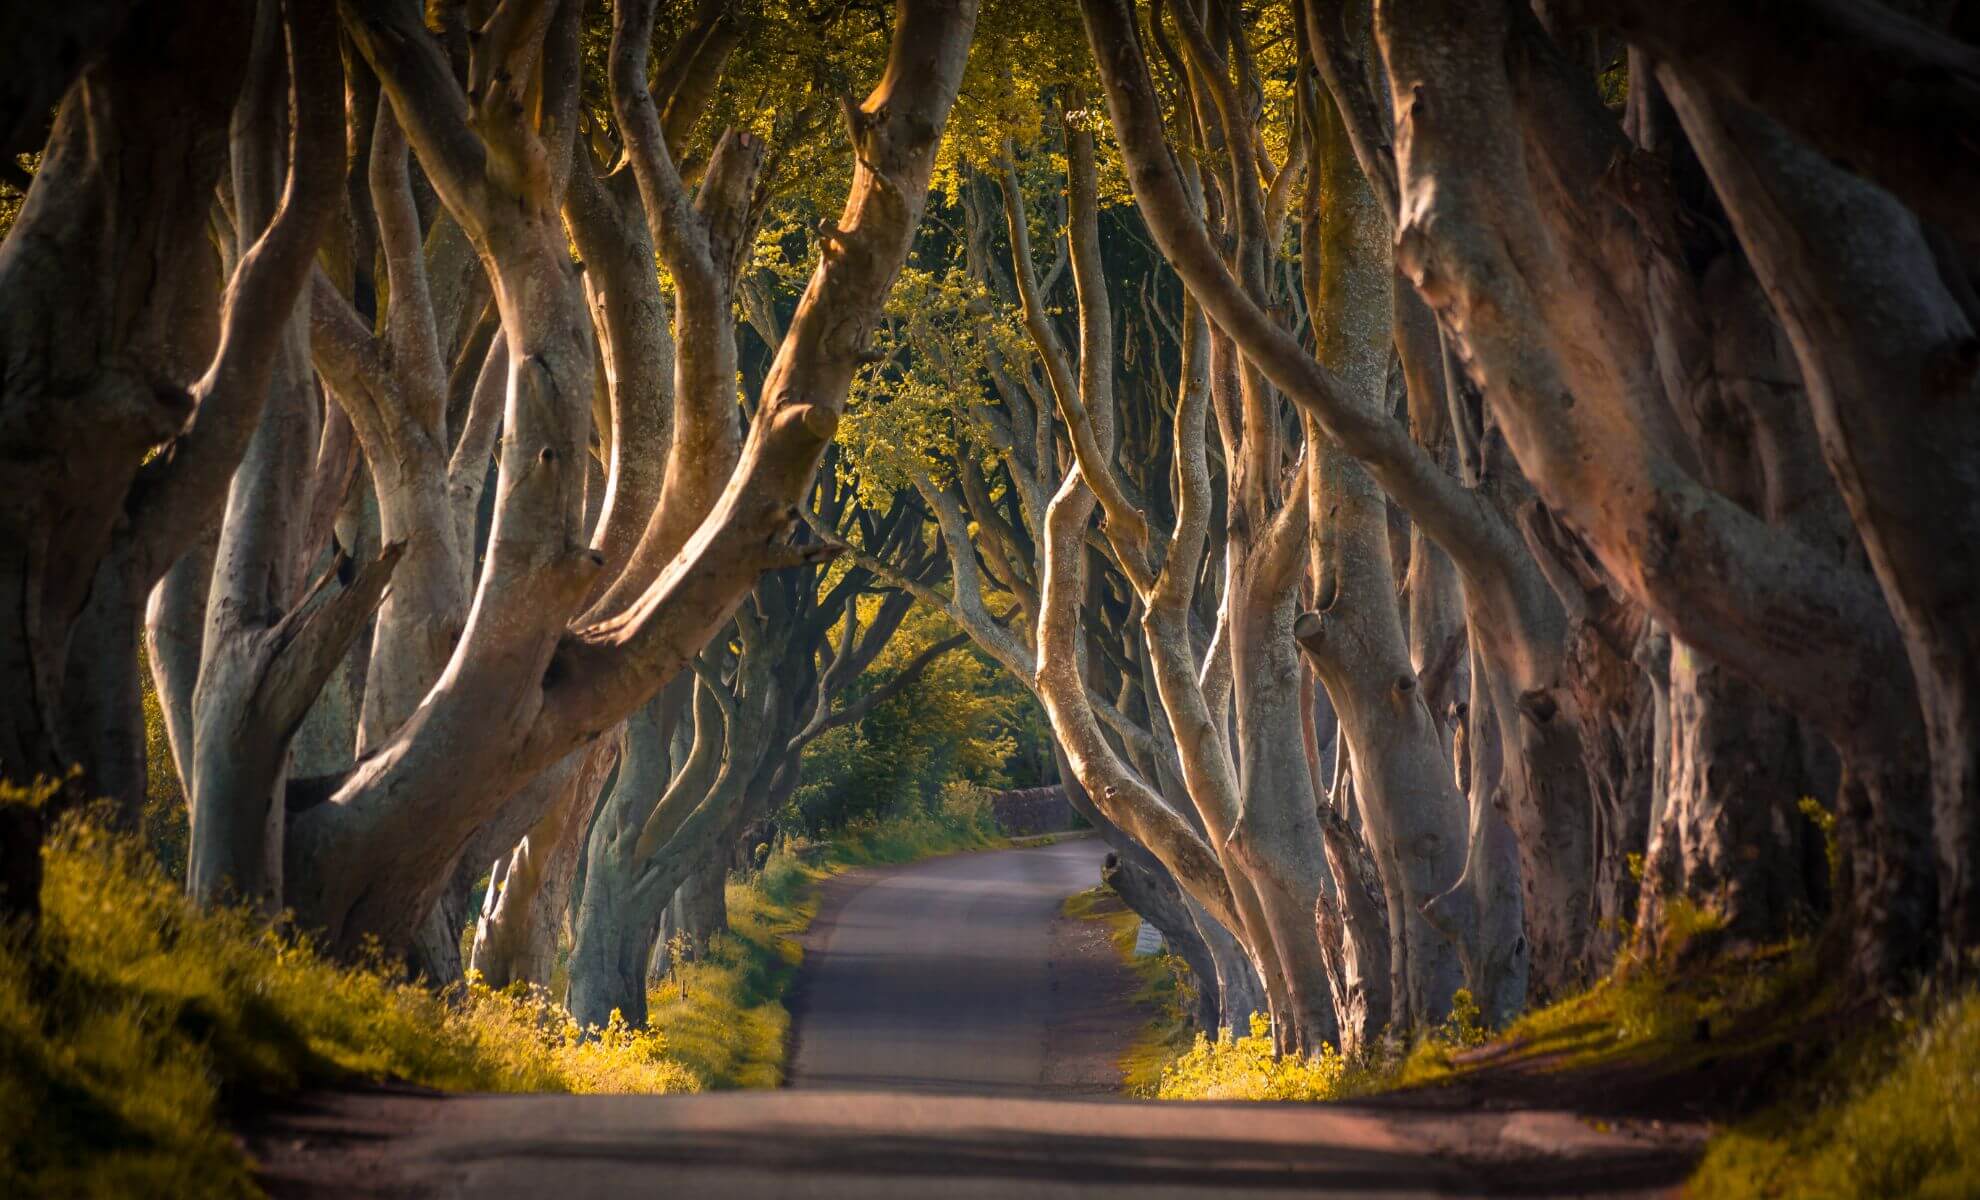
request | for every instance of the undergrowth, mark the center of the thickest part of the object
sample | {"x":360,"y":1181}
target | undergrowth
{"x":1250,"y":1068}
{"x":1170,"y":1060}
{"x":724,"y":1009}
{"x":135,"y":1023}
{"x":1894,"y":1112}
{"x":1644,"y":1010}
{"x":134,"y":1020}
{"x":1890,"y":1106}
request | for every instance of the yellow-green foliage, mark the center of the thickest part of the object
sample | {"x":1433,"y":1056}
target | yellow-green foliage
{"x":132,"y":1018}
{"x":963,"y":822}
{"x":1168,"y":1062}
{"x":722,"y":1010}
{"x":1668,"y":1010}
{"x":11,"y":197}
{"x":122,"y":1028}
{"x":1891,"y":1116}
{"x":1249,"y":1068}
{"x":1242,"y":1068}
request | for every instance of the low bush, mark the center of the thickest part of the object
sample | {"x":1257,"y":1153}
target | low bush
{"x":1250,"y":1068}
{"x":1244,"y":1068}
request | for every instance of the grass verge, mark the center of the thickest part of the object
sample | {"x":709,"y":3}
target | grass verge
{"x":135,"y":1022}
{"x":1163,"y":990}
{"x":1809,"y":1098}
{"x":1894,"y":1111}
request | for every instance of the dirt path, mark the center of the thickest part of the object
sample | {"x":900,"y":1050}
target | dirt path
{"x":950,"y":1021}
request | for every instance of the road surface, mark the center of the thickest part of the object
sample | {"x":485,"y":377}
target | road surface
{"x":948,"y":1023}
{"x":947,"y":976}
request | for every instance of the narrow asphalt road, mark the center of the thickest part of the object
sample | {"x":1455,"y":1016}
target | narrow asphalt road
{"x":946,"y":976}
{"x":943,"y":1002}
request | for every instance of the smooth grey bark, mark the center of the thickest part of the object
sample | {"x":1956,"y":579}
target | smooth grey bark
{"x":1732,"y":839}
{"x":1569,"y":376}
{"x":1497,"y":958}
{"x":1870,"y":309}
{"x":1352,"y":922}
{"x":1412,"y":815}
{"x":268,"y":645}
{"x":1154,"y":896}
{"x":648,"y":842}
{"x":516,"y":939}
{"x":105,"y":365}
{"x":559,"y":685}
{"x":701,"y":904}
{"x":1919,"y":85}
{"x":619,"y":913}
{"x":125,"y":184}
{"x":102,"y":716}
{"x":653,"y":831}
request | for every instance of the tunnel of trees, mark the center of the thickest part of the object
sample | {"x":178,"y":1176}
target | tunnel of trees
{"x":1455,"y":488}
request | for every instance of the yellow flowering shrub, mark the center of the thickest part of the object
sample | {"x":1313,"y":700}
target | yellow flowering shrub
{"x":1249,"y":1068}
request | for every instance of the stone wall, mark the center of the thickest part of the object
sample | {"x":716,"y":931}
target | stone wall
{"x":1029,"y":811}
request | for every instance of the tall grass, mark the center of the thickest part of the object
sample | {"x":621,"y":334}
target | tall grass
{"x":135,"y":1018}
{"x":135,"y":1022}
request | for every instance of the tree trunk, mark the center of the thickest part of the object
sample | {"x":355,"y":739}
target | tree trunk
{"x":520,"y":939}
{"x":702,"y":903}
{"x":1486,"y":899}
{"x":268,"y":645}
{"x":1732,"y":839}
{"x":1413,"y":817}
{"x":620,"y":908}
{"x":1154,"y":896}
{"x":371,"y":861}
{"x":1865,"y":301}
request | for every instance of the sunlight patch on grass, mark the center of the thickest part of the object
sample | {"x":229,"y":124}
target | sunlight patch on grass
{"x":135,"y":1017}
{"x":1895,"y":1112}
{"x":136,"y":1020}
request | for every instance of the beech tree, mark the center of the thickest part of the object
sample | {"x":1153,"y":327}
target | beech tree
{"x":1477,"y":490}
{"x":577,"y":635}
{"x":136,"y":372}
{"x":1708,"y":571}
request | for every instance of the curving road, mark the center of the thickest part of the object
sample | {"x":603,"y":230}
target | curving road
{"x":946,"y":975}
{"x":947,"y":1017}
